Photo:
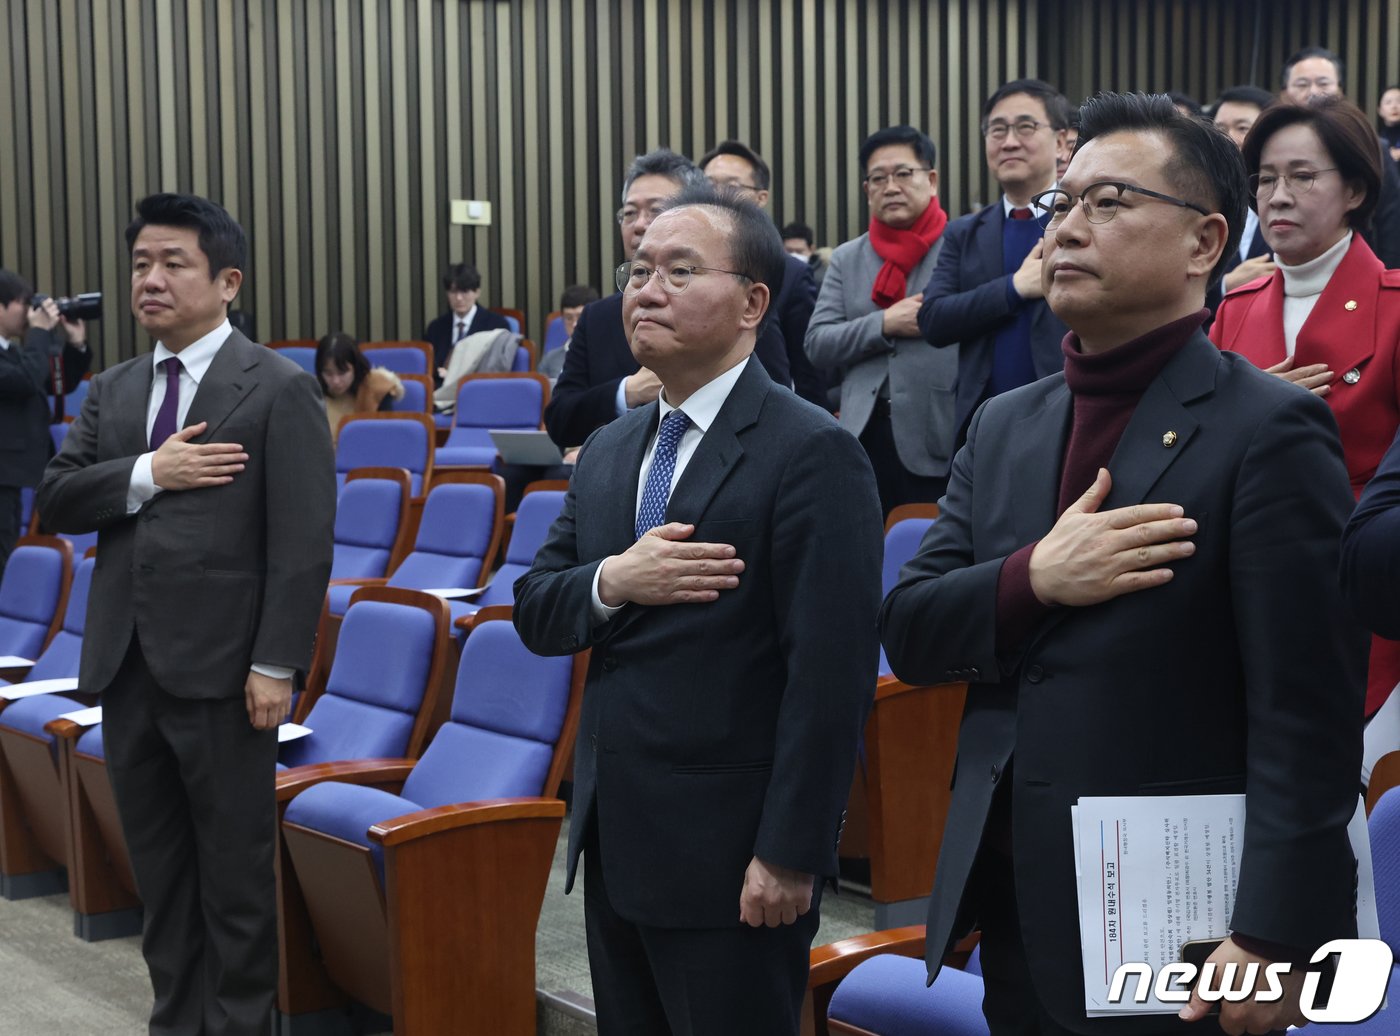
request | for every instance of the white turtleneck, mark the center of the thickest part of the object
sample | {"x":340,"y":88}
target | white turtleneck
{"x":1302,"y":284}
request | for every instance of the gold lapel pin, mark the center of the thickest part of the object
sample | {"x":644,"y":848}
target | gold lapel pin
{"x":1169,"y":439}
{"x":1350,"y":306}
{"x":1352,"y":376}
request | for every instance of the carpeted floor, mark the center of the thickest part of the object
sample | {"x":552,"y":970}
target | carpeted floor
{"x":56,"y":984}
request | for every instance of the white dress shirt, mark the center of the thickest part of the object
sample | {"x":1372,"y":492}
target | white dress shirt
{"x":1251,"y":224}
{"x":702,"y":407}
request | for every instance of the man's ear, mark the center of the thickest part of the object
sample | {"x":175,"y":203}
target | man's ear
{"x":230,"y":280}
{"x":755,"y":305}
{"x":1211,"y":234}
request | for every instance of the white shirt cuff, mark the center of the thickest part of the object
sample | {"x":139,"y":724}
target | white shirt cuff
{"x":143,"y":484}
{"x":275,"y":672}
{"x":601,"y":611}
{"x":620,"y":400}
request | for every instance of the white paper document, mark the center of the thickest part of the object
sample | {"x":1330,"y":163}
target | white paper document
{"x":453,"y":593}
{"x":291,"y":731}
{"x":1159,"y":871}
{"x":85,"y":717}
{"x":14,"y":691}
{"x":15,"y":662}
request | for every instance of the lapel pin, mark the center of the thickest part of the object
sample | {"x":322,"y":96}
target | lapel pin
{"x":1169,"y":439}
{"x":1350,"y":306}
{"x":1352,"y":376}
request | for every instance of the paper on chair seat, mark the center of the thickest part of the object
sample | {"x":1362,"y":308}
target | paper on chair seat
{"x":15,"y":662}
{"x":85,"y":717}
{"x":453,"y":593}
{"x":291,"y":731}
{"x":16,"y":691}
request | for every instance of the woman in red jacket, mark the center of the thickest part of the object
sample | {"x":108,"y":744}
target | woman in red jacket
{"x":1329,"y":317}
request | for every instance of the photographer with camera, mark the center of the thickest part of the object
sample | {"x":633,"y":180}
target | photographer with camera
{"x":32,"y":338}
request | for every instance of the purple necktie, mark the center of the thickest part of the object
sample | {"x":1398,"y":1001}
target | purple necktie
{"x":168,"y":414}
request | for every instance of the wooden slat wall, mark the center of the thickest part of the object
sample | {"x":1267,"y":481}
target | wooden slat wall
{"x":336,"y":131}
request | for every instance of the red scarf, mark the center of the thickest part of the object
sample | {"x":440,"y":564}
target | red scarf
{"x":902,"y":250}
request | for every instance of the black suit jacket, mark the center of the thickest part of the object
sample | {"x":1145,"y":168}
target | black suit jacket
{"x":792,"y":309}
{"x":966,"y":303}
{"x":1371,"y":549}
{"x":212,"y":579}
{"x":1242,"y":674}
{"x":438,"y":333}
{"x":713,"y":733}
{"x":599,"y":356}
{"x":25,"y":445}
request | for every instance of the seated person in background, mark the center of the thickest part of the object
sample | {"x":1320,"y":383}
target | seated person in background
{"x":462,"y":283}
{"x":348,"y":383}
{"x":571,"y":304}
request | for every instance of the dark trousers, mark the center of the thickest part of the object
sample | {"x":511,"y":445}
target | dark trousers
{"x":895,"y":483}
{"x":9,"y":522}
{"x":194,"y":784}
{"x":737,"y":981}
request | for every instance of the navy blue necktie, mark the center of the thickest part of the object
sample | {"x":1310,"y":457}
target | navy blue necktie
{"x":167,"y":417}
{"x":663,"y":465}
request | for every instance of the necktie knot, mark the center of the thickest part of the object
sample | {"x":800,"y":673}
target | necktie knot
{"x":657,"y":490}
{"x":1020,"y":213}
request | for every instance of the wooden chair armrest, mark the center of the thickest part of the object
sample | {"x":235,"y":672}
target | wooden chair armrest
{"x":64,"y":729}
{"x":834,"y":961}
{"x":291,"y":783}
{"x":425,"y":822}
{"x":367,"y":581}
{"x":891,"y":686}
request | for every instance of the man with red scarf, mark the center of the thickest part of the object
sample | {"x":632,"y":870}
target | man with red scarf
{"x":985,"y":294}
{"x":896,"y":393}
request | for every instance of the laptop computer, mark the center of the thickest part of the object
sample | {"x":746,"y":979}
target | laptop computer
{"x":520,"y":447}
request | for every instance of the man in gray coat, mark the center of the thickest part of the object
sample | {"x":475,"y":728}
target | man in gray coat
{"x":206,"y":469}
{"x":897,"y":394}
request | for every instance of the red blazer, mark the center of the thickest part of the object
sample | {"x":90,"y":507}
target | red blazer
{"x":1355,"y":330}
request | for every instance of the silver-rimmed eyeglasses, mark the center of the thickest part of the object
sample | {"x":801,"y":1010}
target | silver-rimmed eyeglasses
{"x":903,"y":176}
{"x":1023,"y":128}
{"x":632,"y":277}
{"x":1101,"y":202}
{"x":1263,"y":185}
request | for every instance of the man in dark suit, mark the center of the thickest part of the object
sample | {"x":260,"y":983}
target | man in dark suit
{"x":32,"y":338}
{"x":209,"y":477}
{"x":699,"y":553}
{"x":1151,"y":536}
{"x":985,"y":293}
{"x":462,"y":285}
{"x":601,"y":379}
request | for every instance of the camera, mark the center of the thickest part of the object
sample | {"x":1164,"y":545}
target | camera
{"x":84,"y":306}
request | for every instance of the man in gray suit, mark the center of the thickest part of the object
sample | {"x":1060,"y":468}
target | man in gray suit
{"x":208,"y":473}
{"x":896,"y":393}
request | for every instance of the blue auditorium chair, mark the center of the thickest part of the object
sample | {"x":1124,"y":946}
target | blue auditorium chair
{"x":371,"y":516}
{"x":59,"y":432}
{"x":485,"y":401}
{"x":532,"y":520}
{"x":904,"y":531}
{"x":525,"y":359}
{"x":26,"y":507}
{"x":554,"y":334}
{"x":515,"y":319}
{"x":302,"y":352}
{"x":387,"y":440}
{"x":404,"y":865}
{"x":417,"y":395}
{"x":889,"y":996}
{"x":458,"y":537}
{"x":32,"y":592}
{"x":73,"y":401}
{"x":406,"y":357}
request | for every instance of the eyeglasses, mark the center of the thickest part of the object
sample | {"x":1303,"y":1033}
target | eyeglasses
{"x":627,"y":215}
{"x":903,"y":176}
{"x":1263,"y":185}
{"x":675,"y":277}
{"x":1322,"y":85}
{"x":1101,"y":202}
{"x":1023,"y":128}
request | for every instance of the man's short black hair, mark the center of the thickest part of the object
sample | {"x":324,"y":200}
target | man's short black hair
{"x":1185,"y":100}
{"x":801,"y":230}
{"x":221,"y":239}
{"x":1255,"y":95}
{"x":1313,"y":52}
{"x":892,"y":136}
{"x":661,"y":162}
{"x":1204,"y":166}
{"x":12,"y":287}
{"x":461,"y":277}
{"x":578,"y":295}
{"x":1057,"y":107}
{"x":755,"y":249}
{"x":762,"y":177}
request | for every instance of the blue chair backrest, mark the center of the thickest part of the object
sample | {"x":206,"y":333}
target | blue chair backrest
{"x":499,"y":403}
{"x":302,"y":355}
{"x":554,"y":334}
{"x":521,"y":363}
{"x":366,"y":526}
{"x":26,"y":508}
{"x":512,"y":323}
{"x":63,"y":653}
{"x":1384,"y":829}
{"x":383,"y":444}
{"x":375,"y":689}
{"x":507,"y":712}
{"x":59,"y":432}
{"x":453,"y":537}
{"x":533,"y":519}
{"x":73,"y":402}
{"x":414,"y":398}
{"x":29,"y":593}
{"x":397,"y":358}
{"x":901,"y":544}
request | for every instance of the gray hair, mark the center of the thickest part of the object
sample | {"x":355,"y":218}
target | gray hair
{"x":662,"y":162}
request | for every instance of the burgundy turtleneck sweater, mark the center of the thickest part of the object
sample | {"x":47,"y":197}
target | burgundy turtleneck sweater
{"x":1106,"y":388}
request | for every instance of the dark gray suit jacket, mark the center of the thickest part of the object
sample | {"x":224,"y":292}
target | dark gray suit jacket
{"x":713,"y":733}
{"x":211,"y":579}
{"x":1242,"y":674}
